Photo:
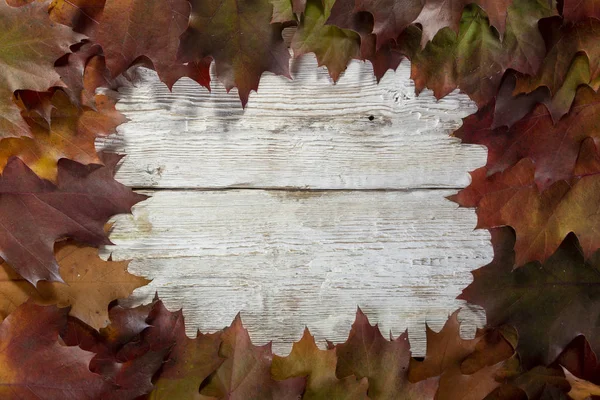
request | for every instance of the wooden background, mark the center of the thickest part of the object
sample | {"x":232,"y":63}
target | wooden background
{"x":315,"y":199}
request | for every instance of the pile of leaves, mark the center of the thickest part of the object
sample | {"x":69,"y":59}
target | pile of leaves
{"x":532,"y":67}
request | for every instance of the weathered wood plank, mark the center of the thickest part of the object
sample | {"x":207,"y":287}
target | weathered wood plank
{"x":288,"y":259}
{"x":305,"y":133}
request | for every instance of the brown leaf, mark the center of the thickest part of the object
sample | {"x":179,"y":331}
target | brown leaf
{"x":35,"y":213}
{"x":90,"y":285}
{"x":530,"y":298}
{"x":319,"y":366}
{"x":81,"y":15}
{"x":445,"y":349}
{"x":31,"y":44}
{"x":71,"y":134}
{"x":238,"y":35}
{"x":245,"y":373}
{"x":34,"y":365}
{"x":553,"y":148}
{"x":129,"y":29}
{"x":580,"y":388}
{"x":384,"y":363}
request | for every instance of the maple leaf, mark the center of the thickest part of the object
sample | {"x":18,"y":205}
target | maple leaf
{"x":35,"y":213}
{"x":552,"y":147}
{"x":579,"y":358}
{"x":565,"y":42}
{"x":238,"y":35}
{"x":523,"y":42}
{"x":384,"y":363}
{"x":31,"y":44}
{"x":530,"y":298}
{"x":132,"y":348}
{"x":385,"y":57}
{"x":464,"y":368}
{"x":473,"y":61}
{"x":245,"y":373}
{"x":333,"y":47}
{"x":34,"y":365}
{"x":391,"y":17}
{"x":81,"y":15}
{"x":71,"y":134}
{"x":439,"y":14}
{"x":541,"y":220}
{"x":84,"y":71}
{"x":444,"y":349}
{"x":319,"y":366}
{"x":91,"y":284}
{"x":580,"y":10}
{"x":129,"y":29}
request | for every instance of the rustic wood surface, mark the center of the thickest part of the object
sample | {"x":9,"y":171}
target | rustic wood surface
{"x":315,"y":199}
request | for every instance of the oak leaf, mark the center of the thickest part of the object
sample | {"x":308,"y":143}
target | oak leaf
{"x":439,"y":14}
{"x":81,"y":15}
{"x":579,"y":10}
{"x":334,"y":47}
{"x":565,"y":41}
{"x":541,"y":219}
{"x":383,"y":362}
{"x":90,"y":285}
{"x":34,"y":365}
{"x":319,"y":366}
{"x":31,"y":43}
{"x":131,"y":349}
{"x":245,"y":373}
{"x":239,"y":37}
{"x":530,"y":298}
{"x":35,"y":213}
{"x":552,"y":147}
{"x":473,"y":60}
{"x":391,"y":17}
{"x":129,"y":29}
{"x":71,"y":134}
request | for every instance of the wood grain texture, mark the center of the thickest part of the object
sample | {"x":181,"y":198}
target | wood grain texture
{"x":288,"y":259}
{"x":227,"y":231}
{"x":305,"y":133}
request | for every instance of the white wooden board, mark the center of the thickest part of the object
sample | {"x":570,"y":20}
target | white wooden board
{"x":216,"y":242}
{"x":304,"y":133}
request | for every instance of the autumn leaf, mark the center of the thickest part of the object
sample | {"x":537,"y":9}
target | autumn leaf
{"x":552,"y":147}
{"x":384,"y":363}
{"x":84,"y":71}
{"x":579,"y":358}
{"x":531,"y":298}
{"x":391,"y":17}
{"x":444,"y":349}
{"x":384,"y":57}
{"x":31,"y":43}
{"x":580,"y":388}
{"x":238,"y":35}
{"x":90,"y":285}
{"x":565,"y":42}
{"x":35,"y":213}
{"x":34,"y":365}
{"x":71,"y":134}
{"x":473,"y":61}
{"x":131,"y":349}
{"x":81,"y":15}
{"x":541,"y":219}
{"x":129,"y":29}
{"x":523,"y":42}
{"x":334,"y":47}
{"x":580,"y":10}
{"x":439,"y":14}
{"x":245,"y":373}
{"x":319,"y":366}
{"x":465,"y":369}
